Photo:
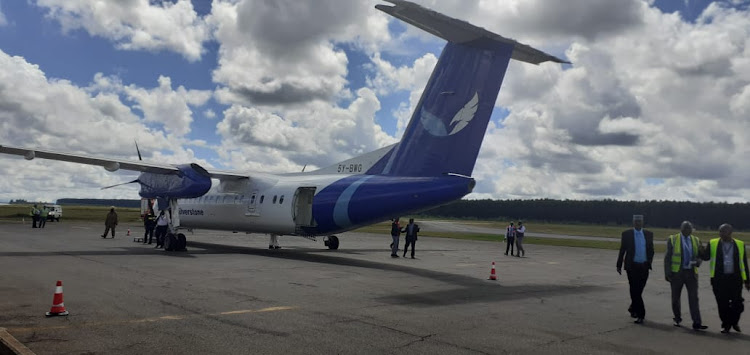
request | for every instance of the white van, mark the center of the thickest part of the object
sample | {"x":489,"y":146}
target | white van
{"x":55,"y":212}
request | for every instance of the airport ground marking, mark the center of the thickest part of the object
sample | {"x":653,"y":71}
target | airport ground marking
{"x":153,"y":319}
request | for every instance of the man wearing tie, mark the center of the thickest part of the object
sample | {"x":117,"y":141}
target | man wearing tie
{"x":637,"y":251}
{"x":411,"y":236}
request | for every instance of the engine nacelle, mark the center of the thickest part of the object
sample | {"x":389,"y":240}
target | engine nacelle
{"x":190,"y":182}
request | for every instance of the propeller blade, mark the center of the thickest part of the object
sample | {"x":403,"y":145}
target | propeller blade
{"x":138,"y":150}
{"x":124,"y":183}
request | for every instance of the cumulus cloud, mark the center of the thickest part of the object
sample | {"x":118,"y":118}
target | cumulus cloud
{"x":54,"y":114}
{"x":292,"y":57}
{"x":135,"y":24}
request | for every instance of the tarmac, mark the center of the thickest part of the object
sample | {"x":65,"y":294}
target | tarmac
{"x":229,"y":294}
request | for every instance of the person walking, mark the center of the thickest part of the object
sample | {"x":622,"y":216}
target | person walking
{"x":43,"y":213}
{"x":34,"y":216}
{"x":162,"y":227}
{"x":395,"y":234}
{"x":411,"y":230}
{"x":519,"y":239}
{"x":728,"y":272}
{"x":510,"y":238}
{"x":149,"y":223}
{"x":637,"y":252}
{"x":681,"y":264}
{"x":110,"y":223}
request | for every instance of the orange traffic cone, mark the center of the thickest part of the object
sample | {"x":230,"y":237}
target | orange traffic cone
{"x":128,"y":232}
{"x":58,"y":307}
{"x":493,"y":276}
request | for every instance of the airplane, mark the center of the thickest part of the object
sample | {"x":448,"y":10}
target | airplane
{"x":430,"y":166}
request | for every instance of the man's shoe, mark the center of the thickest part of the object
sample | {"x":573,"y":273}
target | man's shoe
{"x":699,"y":327}
{"x":270,"y":247}
{"x":639,"y":321}
{"x":677,"y":324}
{"x":394,"y":256}
{"x":737,"y":328}
{"x":506,"y":253}
{"x":725,"y":330}
{"x":277,"y":247}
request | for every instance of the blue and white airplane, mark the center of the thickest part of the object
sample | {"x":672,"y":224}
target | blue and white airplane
{"x":429,"y":167}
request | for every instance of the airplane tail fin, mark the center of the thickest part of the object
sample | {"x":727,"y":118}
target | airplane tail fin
{"x":449,"y":122}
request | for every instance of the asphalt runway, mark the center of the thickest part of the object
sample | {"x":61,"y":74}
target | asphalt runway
{"x":228,"y":294}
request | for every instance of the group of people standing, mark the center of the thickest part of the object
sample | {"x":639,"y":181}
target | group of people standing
{"x":39,"y":216}
{"x":411,"y":230}
{"x":154,"y":225}
{"x":514,"y":235}
{"x":685,"y":253}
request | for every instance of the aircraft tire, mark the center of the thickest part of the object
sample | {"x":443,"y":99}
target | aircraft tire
{"x":333,"y":242}
{"x":170,"y":242}
{"x":181,"y":242}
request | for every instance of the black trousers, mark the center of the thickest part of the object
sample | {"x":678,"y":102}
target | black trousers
{"x":161,"y":232}
{"x":148,"y":236}
{"x":637,"y":277}
{"x":407,"y":244}
{"x":728,"y":292}
{"x":511,"y":241}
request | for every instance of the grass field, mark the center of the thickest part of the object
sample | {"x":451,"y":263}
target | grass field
{"x":15,"y":213}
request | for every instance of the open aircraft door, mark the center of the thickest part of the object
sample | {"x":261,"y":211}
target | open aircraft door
{"x":302,"y":209}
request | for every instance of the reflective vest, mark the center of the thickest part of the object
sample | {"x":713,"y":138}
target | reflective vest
{"x":714,"y":244}
{"x":677,"y":251}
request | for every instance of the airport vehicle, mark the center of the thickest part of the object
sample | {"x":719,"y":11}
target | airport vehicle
{"x":430,"y":166}
{"x":55,"y":212}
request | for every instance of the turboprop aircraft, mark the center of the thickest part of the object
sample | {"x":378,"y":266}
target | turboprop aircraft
{"x":429,"y":167}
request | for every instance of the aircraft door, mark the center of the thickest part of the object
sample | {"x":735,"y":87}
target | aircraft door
{"x":252,"y":204}
{"x":302,"y":207}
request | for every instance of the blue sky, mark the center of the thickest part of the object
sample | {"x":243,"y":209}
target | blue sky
{"x":227,"y":69}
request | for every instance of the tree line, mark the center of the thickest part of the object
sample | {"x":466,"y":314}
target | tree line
{"x":666,"y":214}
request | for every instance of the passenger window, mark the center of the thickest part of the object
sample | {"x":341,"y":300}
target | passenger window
{"x":252,"y":199}
{"x":274,"y":199}
{"x":281,"y":200}
{"x":262,"y":197}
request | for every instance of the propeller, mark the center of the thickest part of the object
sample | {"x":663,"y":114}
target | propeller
{"x":129,"y":182}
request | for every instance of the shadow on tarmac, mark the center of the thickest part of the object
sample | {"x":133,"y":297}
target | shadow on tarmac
{"x":471,"y":289}
{"x":711,"y":333}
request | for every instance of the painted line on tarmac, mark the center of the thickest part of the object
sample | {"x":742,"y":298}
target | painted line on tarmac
{"x":9,"y":344}
{"x":151,"y":320}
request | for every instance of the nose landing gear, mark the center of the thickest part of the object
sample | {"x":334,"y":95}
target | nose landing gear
{"x":332,"y":242}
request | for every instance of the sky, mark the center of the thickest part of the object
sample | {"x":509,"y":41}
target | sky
{"x":655,"y":106}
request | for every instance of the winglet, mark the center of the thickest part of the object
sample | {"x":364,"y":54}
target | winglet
{"x":461,"y":32}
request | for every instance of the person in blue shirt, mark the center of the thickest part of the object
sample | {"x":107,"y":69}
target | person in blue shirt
{"x":681,"y":270}
{"x":637,"y":252}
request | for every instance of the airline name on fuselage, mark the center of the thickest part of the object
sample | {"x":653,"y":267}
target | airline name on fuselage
{"x":191,"y":212}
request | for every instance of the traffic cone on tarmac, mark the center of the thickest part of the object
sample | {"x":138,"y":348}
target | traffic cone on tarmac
{"x":58,"y":307}
{"x":493,"y":276}
{"x":128,"y":232}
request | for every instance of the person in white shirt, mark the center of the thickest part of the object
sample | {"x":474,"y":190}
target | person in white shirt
{"x":162,"y":227}
{"x":519,"y":239}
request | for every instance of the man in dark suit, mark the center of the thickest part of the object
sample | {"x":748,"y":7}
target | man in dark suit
{"x":411,"y":231}
{"x":637,"y":250}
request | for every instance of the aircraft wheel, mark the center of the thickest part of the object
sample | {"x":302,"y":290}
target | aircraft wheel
{"x":170,"y":242}
{"x":181,"y":242}
{"x":333,"y":242}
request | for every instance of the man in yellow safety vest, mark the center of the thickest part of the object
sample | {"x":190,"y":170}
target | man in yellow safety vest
{"x":728,"y":273}
{"x":681,"y":270}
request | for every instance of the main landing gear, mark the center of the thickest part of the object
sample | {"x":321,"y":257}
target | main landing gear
{"x":332,"y":242}
{"x":174,"y":242}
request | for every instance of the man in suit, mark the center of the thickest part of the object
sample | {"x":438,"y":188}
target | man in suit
{"x":681,"y":270}
{"x":637,"y":251}
{"x":728,"y":272}
{"x":411,"y":231}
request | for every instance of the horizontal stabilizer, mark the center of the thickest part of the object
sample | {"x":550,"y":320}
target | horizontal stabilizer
{"x":460,"y":32}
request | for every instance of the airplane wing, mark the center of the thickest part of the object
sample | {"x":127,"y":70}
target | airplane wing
{"x":111,"y":164}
